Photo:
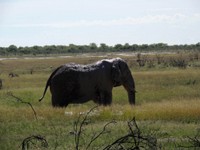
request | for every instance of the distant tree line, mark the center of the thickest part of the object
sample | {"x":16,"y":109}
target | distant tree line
{"x":71,"y":48}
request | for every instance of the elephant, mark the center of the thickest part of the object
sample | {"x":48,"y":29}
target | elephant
{"x":75,"y":83}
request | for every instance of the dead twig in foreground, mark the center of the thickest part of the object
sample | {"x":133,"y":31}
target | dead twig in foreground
{"x":21,"y":101}
{"x":134,"y":140}
{"x":32,"y":140}
{"x":78,"y":130}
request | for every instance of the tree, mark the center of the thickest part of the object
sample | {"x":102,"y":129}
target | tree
{"x":118,"y":47}
{"x":126,"y":47}
{"x":93,"y":47}
{"x":103,"y":47}
{"x":3,"y":51}
{"x":12,"y":49}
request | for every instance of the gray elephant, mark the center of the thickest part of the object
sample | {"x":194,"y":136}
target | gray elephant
{"x":75,"y":83}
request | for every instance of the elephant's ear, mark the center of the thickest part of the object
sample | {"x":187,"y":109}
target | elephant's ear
{"x":116,"y":75}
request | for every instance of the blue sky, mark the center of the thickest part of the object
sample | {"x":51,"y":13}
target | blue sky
{"x":63,"y":22}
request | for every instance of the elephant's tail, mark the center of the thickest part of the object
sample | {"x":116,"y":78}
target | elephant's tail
{"x":48,"y":83}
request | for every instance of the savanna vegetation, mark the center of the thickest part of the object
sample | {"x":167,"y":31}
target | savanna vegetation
{"x":93,"y":48}
{"x":167,"y":110}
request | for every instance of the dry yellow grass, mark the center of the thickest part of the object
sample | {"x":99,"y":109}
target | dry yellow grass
{"x":170,"y":110}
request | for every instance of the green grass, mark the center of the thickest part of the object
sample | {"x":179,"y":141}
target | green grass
{"x":167,"y":104}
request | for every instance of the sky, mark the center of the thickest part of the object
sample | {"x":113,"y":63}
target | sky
{"x":81,"y":22}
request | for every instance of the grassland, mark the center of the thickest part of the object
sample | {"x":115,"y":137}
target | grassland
{"x":167,"y":103}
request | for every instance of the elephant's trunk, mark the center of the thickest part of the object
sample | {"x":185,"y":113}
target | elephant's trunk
{"x":131,"y":97}
{"x":129,"y":85}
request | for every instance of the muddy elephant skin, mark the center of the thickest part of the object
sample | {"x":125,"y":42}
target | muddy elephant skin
{"x":75,"y":83}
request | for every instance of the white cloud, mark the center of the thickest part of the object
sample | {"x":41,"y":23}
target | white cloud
{"x":149,"y":19}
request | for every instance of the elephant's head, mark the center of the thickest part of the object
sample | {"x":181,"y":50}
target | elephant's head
{"x":122,"y":76}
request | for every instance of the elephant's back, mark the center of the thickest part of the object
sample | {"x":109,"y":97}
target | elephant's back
{"x":78,"y":68}
{"x":65,"y":74}
{"x":74,"y":73}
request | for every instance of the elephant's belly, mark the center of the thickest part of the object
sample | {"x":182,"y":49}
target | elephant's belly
{"x":80,"y":99}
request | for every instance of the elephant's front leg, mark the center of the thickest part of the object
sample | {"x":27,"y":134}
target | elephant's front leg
{"x":105,"y":98}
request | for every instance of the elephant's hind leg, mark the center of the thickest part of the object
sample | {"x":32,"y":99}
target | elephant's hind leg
{"x":105,"y":98}
{"x":58,"y":101}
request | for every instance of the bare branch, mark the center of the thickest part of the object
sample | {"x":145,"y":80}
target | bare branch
{"x":98,"y":135}
{"x":78,"y":131}
{"x":33,"y":140}
{"x":21,"y":101}
{"x":194,"y":142}
{"x":133,"y":140}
